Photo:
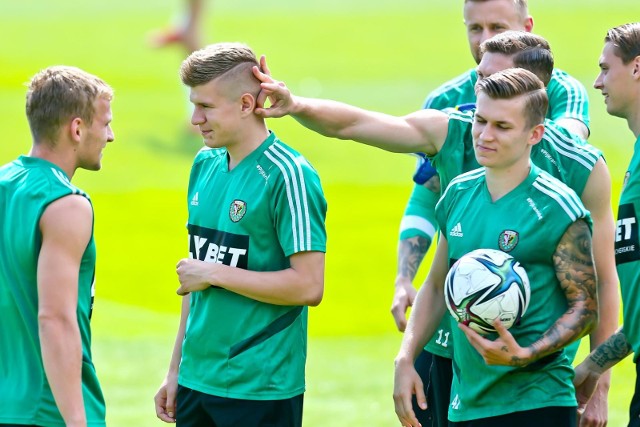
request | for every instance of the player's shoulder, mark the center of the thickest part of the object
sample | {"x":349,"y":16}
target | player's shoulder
{"x":449,"y":92}
{"x":282,"y":159}
{"x":549,"y":191}
{"x":207,"y":153}
{"x":570,"y":145}
{"x":564,"y":80}
{"x":465,"y":181}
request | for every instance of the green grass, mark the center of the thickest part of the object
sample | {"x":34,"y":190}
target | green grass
{"x":384,"y":55}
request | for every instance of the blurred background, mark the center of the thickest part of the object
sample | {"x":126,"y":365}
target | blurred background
{"x":385,"y":55}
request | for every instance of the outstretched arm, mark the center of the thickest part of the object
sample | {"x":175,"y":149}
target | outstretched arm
{"x":576,"y":275}
{"x":423,"y":131}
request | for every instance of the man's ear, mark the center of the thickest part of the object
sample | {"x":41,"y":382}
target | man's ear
{"x":247,"y":103}
{"x":536,"y":134}
{"x":636,"y":67}
{"x":528,"y":24}
{"x":75,"y":129}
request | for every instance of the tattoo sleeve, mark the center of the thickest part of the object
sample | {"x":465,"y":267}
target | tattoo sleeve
{"x":411,"y":252}
{"x":573,"y":262}
{"x":613,"y":350}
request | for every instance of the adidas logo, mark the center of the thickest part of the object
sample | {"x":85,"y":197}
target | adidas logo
{"x":456,"y":231}
{"x":194,"y":201}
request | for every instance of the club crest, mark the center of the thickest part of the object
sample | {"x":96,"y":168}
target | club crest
{"x":508,"y":240}
{"x":237,"y":210}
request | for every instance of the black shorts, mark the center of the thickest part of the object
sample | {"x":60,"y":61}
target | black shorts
{"x":634,"y":407}
{"x":552,"y":416}
{"x":437,"y":374}
{"x":196,"y":409}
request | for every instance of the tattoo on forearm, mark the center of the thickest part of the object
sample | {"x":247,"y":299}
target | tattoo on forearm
{"x":611,"y":351}
{"x":410,"y":255}
{"x":575,"y":271}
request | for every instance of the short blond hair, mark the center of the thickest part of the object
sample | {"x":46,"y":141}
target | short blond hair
{"x":58,"y":94}
{"x":514,"y":82}
{"x":229,"y":62}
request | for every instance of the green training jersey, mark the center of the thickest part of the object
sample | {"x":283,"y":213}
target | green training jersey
{"x":254,"y":217}
{"x":627,"y":246}
{"x":27,"y":186}
{"x":567,"y":96}
{"x":528,"y":223}
{"x":567,"y":99}
{"x":560,"y":153}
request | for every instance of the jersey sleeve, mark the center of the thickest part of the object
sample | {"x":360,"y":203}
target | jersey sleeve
{"x":567,"y":98}
{"x":299,"y":208}
{"x":459,"y":90}
{"x":419,"y":215}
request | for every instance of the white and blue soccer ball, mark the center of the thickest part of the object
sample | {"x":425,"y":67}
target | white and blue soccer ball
{"x":484,"y":285}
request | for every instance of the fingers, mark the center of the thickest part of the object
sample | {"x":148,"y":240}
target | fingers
{"x":262,"y":77}
{"x":476,"y":340}
{"x":398,"y":311}
{"x":162,"y":410}
{"x":263,"y":65}
{"x":404,"y":411}
{"x":504,"y":333}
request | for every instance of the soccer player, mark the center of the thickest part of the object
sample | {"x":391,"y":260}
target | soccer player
{"x":256,"y":259}
{"x":619,"y":82}
{"x":446,"y":138}
{"x":189,"y":33}
{"x":549,"y":234}
{"x":568,"y":106}
{"x":48,"y":256}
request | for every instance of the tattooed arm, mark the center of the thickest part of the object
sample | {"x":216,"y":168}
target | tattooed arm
{"x":411,"y":252}
{"x":605,"y":356}
{"x":574,"y":270}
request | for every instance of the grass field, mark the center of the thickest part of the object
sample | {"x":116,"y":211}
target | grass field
{"x":384,"y":55}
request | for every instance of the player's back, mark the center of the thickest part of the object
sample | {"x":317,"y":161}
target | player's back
{"x":27,"y":186}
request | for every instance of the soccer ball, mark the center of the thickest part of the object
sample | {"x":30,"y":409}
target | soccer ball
{"x":484,"y":285}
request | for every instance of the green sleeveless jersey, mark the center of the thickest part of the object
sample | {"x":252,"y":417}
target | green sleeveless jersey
{"x":27,"y":186}
{"x":627,"y":246}
{"x":254,"y":217}
{"x":567,"y":99}
{"x":527,"y":223}
{"x":560,"y":153}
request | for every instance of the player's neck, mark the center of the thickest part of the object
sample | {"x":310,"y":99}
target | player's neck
{"x":249,"y":141}
{"x":501,"y":181}
{"x":634,"y":122}
{"x":55,"y":154}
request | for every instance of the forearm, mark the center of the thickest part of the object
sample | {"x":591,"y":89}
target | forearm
{"x":425,"y":317}
{"x":608,"y":308}
{"x":609,"y":353}
{"x":413,"y":133}
{"x":176,"y":355}
{"x":576,"y":322}
{"x":411,"y":252}
{"x":62,"y":359}
{"x":284,"y":287}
